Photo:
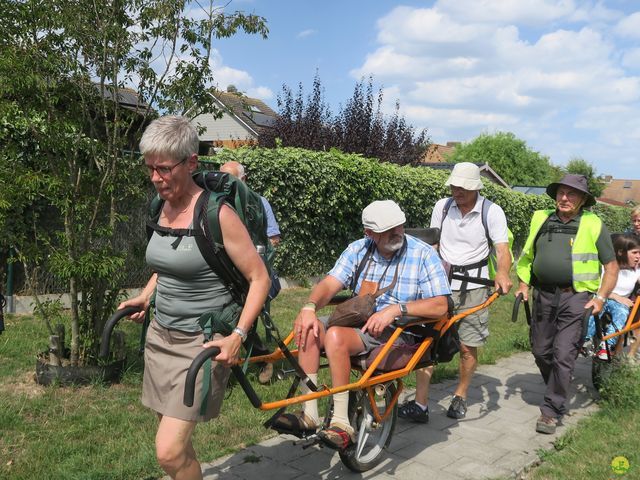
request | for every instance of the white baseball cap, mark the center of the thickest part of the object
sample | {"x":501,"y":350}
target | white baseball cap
{"x":382,"y":215}
{"x":465,"y":175}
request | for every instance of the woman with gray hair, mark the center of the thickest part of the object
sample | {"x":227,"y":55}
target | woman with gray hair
{"x":185,"y":287}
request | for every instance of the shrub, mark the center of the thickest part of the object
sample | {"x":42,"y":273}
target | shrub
{"x":318,"y":199}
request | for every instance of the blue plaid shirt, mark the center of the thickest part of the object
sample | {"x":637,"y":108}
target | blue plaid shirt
{"x":420,"y":273}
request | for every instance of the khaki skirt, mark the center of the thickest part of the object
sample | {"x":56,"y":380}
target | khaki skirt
{"x":167,"y":357}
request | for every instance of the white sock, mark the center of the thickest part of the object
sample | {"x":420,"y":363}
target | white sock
{"x":341,"y":408}
{"x":423,"y":407}
{"x":310,"y":407}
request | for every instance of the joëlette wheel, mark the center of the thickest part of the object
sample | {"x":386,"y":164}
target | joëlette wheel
{"x":372,"y":438}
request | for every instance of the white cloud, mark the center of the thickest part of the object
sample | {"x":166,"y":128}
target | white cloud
{"x":225,"y":75}
{"x":307,"y":33}
{"x":526,"y":12}
{"x":263,"y":93}
{"x":553,"y":73}
{"x":629,"y":26}
{"x":631,"y":59}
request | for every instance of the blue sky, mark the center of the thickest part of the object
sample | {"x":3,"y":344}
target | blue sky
{"x":562,"y":75}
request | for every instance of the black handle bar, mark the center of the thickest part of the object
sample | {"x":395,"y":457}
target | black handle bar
{"x":516,"y":307}
{"x":110,"y":325}
{"x":585,"y":322}
{"x":198,"y":362}
{"x":192,"y":373}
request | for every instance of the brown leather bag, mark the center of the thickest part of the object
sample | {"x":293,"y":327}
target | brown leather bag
{"x":356,"y":311}
{"x":353,"y":312}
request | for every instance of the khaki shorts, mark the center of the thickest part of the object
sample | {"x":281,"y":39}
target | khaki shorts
{"x":472,"y":329}
{"x":167,"y":357}
{"x":370,"y":342}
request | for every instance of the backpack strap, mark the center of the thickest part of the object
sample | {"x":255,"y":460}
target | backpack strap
{"x":486,"y":204}
{"x":155,"y":208}
{"x":361,"y":265}
{"x":463,"y":269}
{"x":207,"y":218}
{"x":445,"y":211}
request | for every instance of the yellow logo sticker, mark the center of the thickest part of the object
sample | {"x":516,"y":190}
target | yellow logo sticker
{"x":620,"y":465}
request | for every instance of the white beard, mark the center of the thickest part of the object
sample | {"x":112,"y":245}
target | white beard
{"x":396,"y":245}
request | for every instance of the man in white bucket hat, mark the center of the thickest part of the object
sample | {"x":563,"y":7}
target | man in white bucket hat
{"x":470,"y":226}
{"x":415,"y":284}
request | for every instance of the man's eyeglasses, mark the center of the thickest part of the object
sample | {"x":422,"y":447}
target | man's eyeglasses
{"x":162,"y":171}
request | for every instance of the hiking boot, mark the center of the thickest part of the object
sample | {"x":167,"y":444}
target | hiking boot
{"x":546,"y":425}
{"x":458,"y":408}
{"x":414,"y":412}
{"x":338,"y":436}
{"x":266,"y":372}
{"x":297,"y":423}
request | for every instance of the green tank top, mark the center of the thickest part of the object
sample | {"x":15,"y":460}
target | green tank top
{"x":187,"y":287}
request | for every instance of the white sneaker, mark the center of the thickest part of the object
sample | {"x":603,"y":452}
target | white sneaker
{"x":603,"y":354}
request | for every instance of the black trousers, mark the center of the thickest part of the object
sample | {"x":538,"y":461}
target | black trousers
{"x":555,"y":335}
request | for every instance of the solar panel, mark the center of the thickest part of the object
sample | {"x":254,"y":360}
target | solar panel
{"x":260,"y":119}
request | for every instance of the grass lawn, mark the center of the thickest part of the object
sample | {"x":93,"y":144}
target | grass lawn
{"x":103,"y":432}
{"x":588,"y":451}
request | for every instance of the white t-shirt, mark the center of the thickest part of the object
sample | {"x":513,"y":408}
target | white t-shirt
{"x":463,"y":240}
{"x":627,"y":279}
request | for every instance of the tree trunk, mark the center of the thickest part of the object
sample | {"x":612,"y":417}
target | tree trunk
{"x":55,"y":351}
{"x":75,"y":322}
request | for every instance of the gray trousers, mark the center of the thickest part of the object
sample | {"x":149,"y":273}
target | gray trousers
{"x":555,"y":341}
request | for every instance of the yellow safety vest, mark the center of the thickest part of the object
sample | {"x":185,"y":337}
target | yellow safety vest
{"x":585,"y":265}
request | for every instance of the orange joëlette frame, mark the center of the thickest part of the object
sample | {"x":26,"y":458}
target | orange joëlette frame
{"x":367,"y":380}
{"x":629,"y":325}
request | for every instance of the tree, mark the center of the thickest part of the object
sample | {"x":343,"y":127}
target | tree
{"x":78,"y":83}
{"x":582,"y":167}
{"x":510,"y":157}
{"x":359,"y":126}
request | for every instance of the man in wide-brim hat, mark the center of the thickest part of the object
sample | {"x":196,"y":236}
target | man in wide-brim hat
{"x":562,"y":260}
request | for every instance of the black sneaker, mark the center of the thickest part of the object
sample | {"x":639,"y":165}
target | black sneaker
{"x":458,"y":408}
{"x":412,"y":411}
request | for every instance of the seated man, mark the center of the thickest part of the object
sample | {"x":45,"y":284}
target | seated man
{"x":418,"y":287}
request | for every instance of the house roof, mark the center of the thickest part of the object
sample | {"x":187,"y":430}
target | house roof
{"x":622,"y":192}
{"x":439,"y":153}
{"x":252,"y":112}
{"x":609,"y":201}
{"x":485,"y":170}
{"x":127,"y":98}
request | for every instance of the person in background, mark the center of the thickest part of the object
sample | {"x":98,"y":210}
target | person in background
{"x":185,"y":287}
{"x":273,"y":233}
{"x":618,"y":305}
{"x":635,"y":220}
{"x":273,"y":230}
{"x":562,"y":260}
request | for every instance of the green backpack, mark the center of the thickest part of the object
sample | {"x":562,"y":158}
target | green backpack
{"x":221,"y":188}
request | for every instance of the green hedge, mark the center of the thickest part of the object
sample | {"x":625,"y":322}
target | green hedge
{"x":318,"y":198}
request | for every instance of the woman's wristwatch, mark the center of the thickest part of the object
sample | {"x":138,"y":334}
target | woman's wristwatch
{"x":241,"y":333}
{"x":600,"y":297}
